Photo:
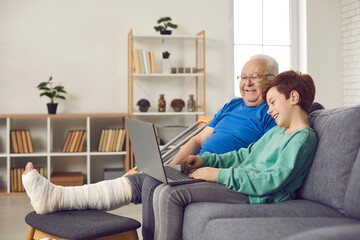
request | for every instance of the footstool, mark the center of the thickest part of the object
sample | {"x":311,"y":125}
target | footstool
{"x":86,"y":224}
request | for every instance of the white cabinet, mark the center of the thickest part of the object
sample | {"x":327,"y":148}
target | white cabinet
{"x":48,"y":134}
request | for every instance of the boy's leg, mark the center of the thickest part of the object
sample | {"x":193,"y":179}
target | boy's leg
{"x":47,"y":197}
{"x":170,"y":201}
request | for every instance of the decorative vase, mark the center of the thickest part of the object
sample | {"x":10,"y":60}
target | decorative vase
{"x":161,"y":103}
{"x":52,"y":108}
{"x":165,"y":66}
{"x":143,"y":108}
{"x":191,"y":103}
{"x":177,"y":109}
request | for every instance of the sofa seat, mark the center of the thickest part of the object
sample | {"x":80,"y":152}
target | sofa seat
{"x":259,"y":228}
{"x":198,"y":215}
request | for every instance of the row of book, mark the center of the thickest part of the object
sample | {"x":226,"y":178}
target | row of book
{"x":112,"y":140}
{"x":21,"y":141}
{"x":74,"y":141}
{"x":15,"y":178}
{"x":144,"y":61}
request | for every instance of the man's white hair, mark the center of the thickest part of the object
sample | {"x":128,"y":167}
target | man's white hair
{"x":272,"y":63}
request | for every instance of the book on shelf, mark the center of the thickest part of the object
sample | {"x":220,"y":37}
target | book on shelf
{"x":14,"y":141}
{"x":28,"y":140}
{"x":15,"y":178}
{"x":136,"y":59}
{"x":67,"y":178}
{"x":141,"y":60}
{"x":74,"y":141}
{"x":82,"y":141}
{"x":21,"y":141}
{"x":152,"y":61}
{"x":67,"y":140}
{"x":144,"y":61}
{"x":23,"y":138}
{"x":111,"y":140}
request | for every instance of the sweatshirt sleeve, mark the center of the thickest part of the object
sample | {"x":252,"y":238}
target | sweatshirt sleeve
{"x":256,"y":182}
{"x":226,"y":160}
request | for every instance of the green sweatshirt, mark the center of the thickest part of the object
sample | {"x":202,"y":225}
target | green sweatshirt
{"x":269,"y":170}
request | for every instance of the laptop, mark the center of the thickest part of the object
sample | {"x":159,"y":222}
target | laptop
{"x":148,"y":157}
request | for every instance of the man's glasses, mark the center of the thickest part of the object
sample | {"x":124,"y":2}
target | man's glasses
{"x":253,"y":78}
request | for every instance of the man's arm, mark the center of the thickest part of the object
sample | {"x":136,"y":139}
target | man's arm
{"x":193,"y":146}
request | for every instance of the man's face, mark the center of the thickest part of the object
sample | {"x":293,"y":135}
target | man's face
{"x":252,"y":81}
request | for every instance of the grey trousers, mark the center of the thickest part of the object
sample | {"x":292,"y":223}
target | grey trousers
{"x":143,"y":187}
{"x":169,"y":203}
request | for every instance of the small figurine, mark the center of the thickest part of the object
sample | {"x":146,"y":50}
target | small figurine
{"x":161,"y":103}
{"x":143,"y":104}
{"x":191,"y":103}
{"x":177,"y":104}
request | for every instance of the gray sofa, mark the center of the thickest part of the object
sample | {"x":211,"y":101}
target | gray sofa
{"x":327,"y":204}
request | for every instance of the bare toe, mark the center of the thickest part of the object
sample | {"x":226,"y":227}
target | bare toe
{"x":29,"y":167}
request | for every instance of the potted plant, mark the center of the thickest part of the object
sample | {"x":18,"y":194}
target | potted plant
{"x":51,"y":92}
{"x":143,"y":105}
{"x":177,"y":104}
{"x":166,"y":22}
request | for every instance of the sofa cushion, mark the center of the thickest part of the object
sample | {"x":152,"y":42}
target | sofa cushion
{"x":268,"y":228}
{"x":197,"y":215}
{"x":352,"y":196}
{"x":343,"y":232}
{"x":338,"y":132}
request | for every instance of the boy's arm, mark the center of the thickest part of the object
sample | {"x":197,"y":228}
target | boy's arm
{"x":226,"y":160}
{"x":294,"y":160}
{"x":193,"y":146}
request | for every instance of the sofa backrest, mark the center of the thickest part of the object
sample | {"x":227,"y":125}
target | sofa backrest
{"x":352,"y":195}
{"x":338,"y":132}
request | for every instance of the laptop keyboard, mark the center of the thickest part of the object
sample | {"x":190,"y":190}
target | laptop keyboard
{"x":175,"y":175}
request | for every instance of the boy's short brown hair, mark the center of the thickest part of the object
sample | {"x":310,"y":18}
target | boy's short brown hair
{"x":288,"y":81}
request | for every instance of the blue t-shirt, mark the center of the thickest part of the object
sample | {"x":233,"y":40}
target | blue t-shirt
{"x":236,"y":126}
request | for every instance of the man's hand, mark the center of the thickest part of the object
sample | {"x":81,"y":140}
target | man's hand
{"x":206,"y":173}
{"x":191,"y":162}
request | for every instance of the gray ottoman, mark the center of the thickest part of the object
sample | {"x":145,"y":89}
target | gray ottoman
{"x":87,"y":224}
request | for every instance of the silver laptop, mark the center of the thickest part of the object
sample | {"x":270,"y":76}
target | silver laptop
{"x":147,"y":154}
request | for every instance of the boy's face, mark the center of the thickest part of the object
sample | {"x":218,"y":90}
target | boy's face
{"x":280,"y":108}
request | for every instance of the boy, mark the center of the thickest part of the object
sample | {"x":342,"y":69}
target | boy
{"x":268,"y":171}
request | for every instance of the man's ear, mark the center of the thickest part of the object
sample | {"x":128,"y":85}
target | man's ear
{"x":294,"y":97}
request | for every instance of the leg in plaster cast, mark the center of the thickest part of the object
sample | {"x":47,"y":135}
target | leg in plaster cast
{"x":46,"y":197}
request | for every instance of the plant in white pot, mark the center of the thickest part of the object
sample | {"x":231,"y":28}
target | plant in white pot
{"x":51,"y":92}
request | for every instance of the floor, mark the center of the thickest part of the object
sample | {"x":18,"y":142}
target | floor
{"x":13,"y":210}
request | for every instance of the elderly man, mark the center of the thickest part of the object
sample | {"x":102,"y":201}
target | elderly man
{"x":239,"y":123}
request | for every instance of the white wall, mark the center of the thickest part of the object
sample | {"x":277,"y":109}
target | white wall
{"x":321,"y":54}
{"x":351,"y":53}
{"x":83,"y":45}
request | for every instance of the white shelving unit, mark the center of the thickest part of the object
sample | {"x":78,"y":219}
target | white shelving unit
{"x":48,"y":133}
{"x":199,"y":78}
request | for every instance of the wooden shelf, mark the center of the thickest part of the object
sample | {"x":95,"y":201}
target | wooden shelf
{"x":199,"y":78}
{"x":167,"y":113}
{"x":175,"y":75}
{"x":166,"y":37}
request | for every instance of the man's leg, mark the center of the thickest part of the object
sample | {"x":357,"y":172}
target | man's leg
{"x":106,"y":195}
{"x":148,"y":220}
{"x":170,"y":202}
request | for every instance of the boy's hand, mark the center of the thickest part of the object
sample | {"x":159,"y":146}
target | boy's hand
{"x":206,"y":173}
{"x":191,"y":162}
